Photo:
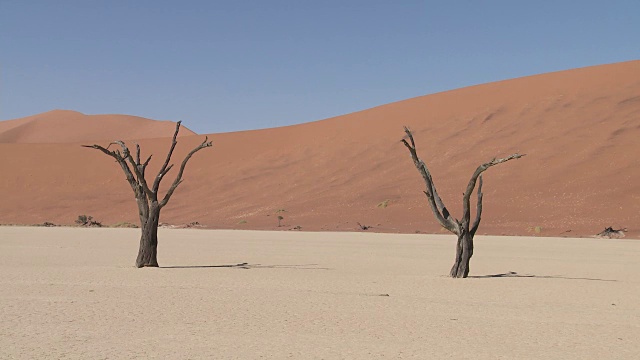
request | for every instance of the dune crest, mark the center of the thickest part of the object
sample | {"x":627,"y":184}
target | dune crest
{"x":67,"y":126}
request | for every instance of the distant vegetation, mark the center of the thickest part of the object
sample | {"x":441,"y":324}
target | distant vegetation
{"x":124,"y":224}
{"x":87,"y":221}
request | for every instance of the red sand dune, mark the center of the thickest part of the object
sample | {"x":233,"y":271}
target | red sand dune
{"x":579,"y":129}
{"x":65,"y":126}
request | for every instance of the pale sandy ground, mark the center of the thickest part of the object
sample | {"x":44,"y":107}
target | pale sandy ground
{"x":70,"y":293}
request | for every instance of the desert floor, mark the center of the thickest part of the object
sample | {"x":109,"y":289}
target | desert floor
{"x":72,"y":293}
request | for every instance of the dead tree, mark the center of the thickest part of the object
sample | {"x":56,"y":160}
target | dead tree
{"x":147,"y":196}
{"x":464,"y":229}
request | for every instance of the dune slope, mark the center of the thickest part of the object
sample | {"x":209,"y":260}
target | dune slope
{"x":579,"y":129}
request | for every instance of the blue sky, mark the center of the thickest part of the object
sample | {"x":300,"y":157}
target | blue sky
{"x":234,"y":65}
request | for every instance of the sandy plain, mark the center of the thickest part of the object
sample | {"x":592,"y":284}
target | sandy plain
{"x":72,"y":293}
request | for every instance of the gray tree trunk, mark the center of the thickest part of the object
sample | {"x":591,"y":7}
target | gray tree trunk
{"x":464,"y":252}
{"x":148,"y":250}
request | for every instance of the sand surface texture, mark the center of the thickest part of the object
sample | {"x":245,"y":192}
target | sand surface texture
{"x":579,"y":129}
{"x":72,"y":293}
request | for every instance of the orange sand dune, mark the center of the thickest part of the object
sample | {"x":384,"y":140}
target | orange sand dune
{"x":579,"y":129}
{"x":65,"y":126}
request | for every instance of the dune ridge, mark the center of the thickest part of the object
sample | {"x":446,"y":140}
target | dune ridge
{"x":67,"y":126}
{"x":579,"y":129}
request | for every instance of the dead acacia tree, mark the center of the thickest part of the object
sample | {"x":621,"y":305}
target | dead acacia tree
{"x":147,"y":196}
{"x":464,"y":229}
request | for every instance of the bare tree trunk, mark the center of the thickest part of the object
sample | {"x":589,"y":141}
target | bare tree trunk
{"x":464,"y":252}
{"x":148,"y":251}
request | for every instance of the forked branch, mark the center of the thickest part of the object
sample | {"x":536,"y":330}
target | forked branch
{"x":435,"y":202}
{"x":178,"y":179}
{"x":166,"y":167}
{"x":138,"y":182}
{"x":466,"y":205}
{"x":133,"y":182}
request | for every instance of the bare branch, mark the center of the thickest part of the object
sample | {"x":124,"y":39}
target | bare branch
{"x":163,"y":169}
{"x":144,"y":165}
{"x":441,"y":219}
{"x":178,"y":179}
{"x":141,"y":166}
{"x":466,"y":215}
{"x":435,"y":202}
{"x":137,"y":154}
{"x":167,"y":170}
{"x":424,"y":170}
{"x":113,"y":154}
{"x":147,"y":161}
{"x":123,"y":164}
{"x":476,"y":222}
{"x":410,"y":136}
{"x":126,"y":154}
{"x":122,"y":158}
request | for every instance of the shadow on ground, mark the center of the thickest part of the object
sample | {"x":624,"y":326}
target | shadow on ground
{"x":513,"y":274}
{"x":250,"y":266}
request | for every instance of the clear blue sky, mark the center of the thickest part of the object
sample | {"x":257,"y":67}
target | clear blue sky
{"x":233,"y":65}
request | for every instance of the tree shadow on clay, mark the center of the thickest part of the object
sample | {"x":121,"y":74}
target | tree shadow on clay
{"x":250,"y":266}
{"x":513,"y":274}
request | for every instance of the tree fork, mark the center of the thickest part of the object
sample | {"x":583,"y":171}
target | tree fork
{"x":463,"y":228}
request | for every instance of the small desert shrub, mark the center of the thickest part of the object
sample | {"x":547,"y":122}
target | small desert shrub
{"x":535,"y":229}
{"x":383,"y":204}
{"x":87,"y":221}
{"x":611,"y":233}
{"x":193,"y":224}
{"x":363,"y":227}
{"x":280,"y":218}
{"x":242,"y":222}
